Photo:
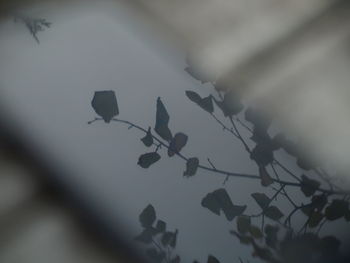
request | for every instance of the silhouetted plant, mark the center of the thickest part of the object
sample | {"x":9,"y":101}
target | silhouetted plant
{"x":34,"y":25}
{"x":322,"y":204}
{"x":161,"y":242}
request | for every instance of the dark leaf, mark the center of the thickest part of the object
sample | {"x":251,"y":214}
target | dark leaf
{"x":176,"y":259}
{"x":266,"y":179}
{"x":220,"y":200}
{"x":315,"y":219}
{"x":162,"y":121}
{"x":273,"y":213}
{"x":177,"y":143}
{"x":147,"y":216}
{"x":193,"y":96}
{"x":205,"y":103}
{"x":262,"y":200}
{"x":260,"y":136}
{"x":212,"y":259}
{"x":105,"y":104}
{"x":309,"y":186}
{"x":262,"y":154}
{"x":337,"y":209}
{"x":319,"y":201}
{"x":147,"y":159}
{"x":161,"y":226}
{"x":191,"y":167}
{"x":243,"y":224}
{"x":255,"y":232}
{"x":148,"y":139}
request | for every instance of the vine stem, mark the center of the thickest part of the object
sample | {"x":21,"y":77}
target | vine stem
{"x":218,"y":171}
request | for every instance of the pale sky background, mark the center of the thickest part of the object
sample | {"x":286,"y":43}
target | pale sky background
{"x":48,"y":89}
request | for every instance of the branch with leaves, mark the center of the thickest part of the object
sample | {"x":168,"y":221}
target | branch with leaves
{"x":324,"y":204}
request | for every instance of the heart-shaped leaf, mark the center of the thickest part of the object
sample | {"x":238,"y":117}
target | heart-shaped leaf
{"x":218,"y":201}
{"x":177,"y":143}
{"x":337,"y":209}
{"x":162,"y":121}
{"x":147,"y":159}
{"x":205,"y":103}
{"x":309,"y":186}
{"x":105,"y":104}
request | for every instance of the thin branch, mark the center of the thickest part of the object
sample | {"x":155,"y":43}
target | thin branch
{"x":218,"y":171}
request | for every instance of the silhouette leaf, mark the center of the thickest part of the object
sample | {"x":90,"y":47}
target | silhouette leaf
{"x":105,"y":104}
{"x":193,"y":96}
{"x":273,"y":213}
{"x":147,"y":159}
{"x":205,"y":103}
{"x":161,"y":226}
{"x":218,"y":201}
{"x":162,"y":121}
{"x":315,"y":219}
{"x":337,"y":209}
{"x":262,"y":200}
{"x":177,"y":143}
{"x":262,"y":154}
{"x":230,"y":105}
{"x":266,"y":179}
{"x":255,"y":232}
{"x":243,"y":224}
{"x":147,"y":216}
{"x":309,"y":186}
{"x":148,"y":139}
{"x":191,"y":167}
{"x":212,"y":259}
